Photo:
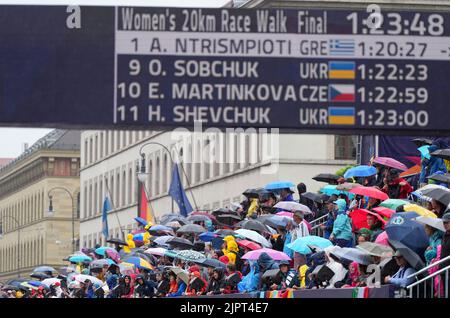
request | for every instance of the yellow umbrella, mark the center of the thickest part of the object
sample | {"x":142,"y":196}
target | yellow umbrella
{"x":419,"y":210}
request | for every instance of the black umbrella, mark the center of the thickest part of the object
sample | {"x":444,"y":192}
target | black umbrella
{"x":271,"y":274}
{"x":327,"y":177}
{"x":191,"y":228}
{"x":39,"y":275}
{"x":198,"y":218}
{"x":441,"y":153}
{"x":252,"y":225}
{"x":225,"y":232}
{"x":173,"y":217}
{"x":229,"y":216}
{"x":410,"y":256}
{"x":312,"y":196}
{"x":422,"y":141}
{"x":117,"y":241}
{"x":255,"y":193}
{"x":223,"y":211}
{"x":441,"y":177}
{"x":210,"y":262}
{"x":179,"y":242}
{"x":439,"y":194}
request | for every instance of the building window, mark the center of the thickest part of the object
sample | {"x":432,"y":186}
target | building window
{"x":118,"y":189}
{"x":91,"y":151}
{"x":113,"y":133}
{"x":86,"y":149}
{"x":106,"y":143}
{"x":96,"y":146}
{"x":345,"y":147}
{"x":124,"y":182}
{"x":158,"y":176}
{"x":164,"y":174}
{"x":130,"y":183}
{"x":101,"y":144}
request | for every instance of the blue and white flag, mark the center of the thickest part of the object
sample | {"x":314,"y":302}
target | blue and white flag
{"x":105,"y":210}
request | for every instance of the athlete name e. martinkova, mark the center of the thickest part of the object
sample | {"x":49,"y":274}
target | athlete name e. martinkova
{"x":221,"y":114}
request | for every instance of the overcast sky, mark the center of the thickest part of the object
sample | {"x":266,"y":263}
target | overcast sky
{"x":12,"y":139}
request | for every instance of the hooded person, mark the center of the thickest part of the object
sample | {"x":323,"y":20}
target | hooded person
{"x":288,"y":278}
{"x":342,"y":227}
{"x":197,"y":285}
{"x":430,"y":164}
{"x":395,"y":186}
{"x":144,"y":288}
{"x":216,"y":283}
{"x":130,"y":244}
{"x":230,"y":249}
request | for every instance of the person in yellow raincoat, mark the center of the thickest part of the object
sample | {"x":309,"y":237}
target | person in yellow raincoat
{"x":230,"y":248}
{"x":130,"y":242}
{"x":253,"y":207}
{"x":302,"y":275}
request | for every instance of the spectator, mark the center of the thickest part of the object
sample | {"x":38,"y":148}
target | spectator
{"x":298,"y":229}
{"x":430,"y":164}
{"x":438,"y":208}
{"x":375,"y":226}
{"x":288,"y":278}
{"x":342,"y":228}
{"x":445,"y":247}
{"x":328,"y":226}
{"x":232,"y":279}
{"x":216,"y":283}
{"x":180,"y":291}
{"x":144,"y":288}
{"x":126,"y":289}
{"x":197,"y":285}
{"x":400,"y":279}
{"x":396,"y":187}
{"x":435,"y":239}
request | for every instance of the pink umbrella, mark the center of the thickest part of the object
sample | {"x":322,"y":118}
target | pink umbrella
{"x":275,"y":255}
{"x":158,"y":251}
{"x":390,"y":162}
{"x":112,"y":254}
{"x":382,"y":239}
{"x":286,"y":213}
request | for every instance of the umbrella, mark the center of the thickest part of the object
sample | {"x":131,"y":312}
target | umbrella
{"x":278,"y":185}
{"x":191,"y":228}
{"x":182,"y":274}
{"x":249,"y":244}
{"x":162,"y":240}
{"x":50,"y":281}
{"x":44,"y":269}
{"x":353,"y":255}
{"x":35,"y":283}
{"x":179,"y":242}
{"x":414,"y":170}
{"x":393,"y":204}
{"x":190,"y":255}
{"x":439,"y":193}
{"x":254,"y":236}
{"x":360,"y":171}
{"x":384,"y":212}
{"x":207,"y":236}
{"x":255,"y":193}
{"x":159,"y":251}
{"x":117,"y":241}
{"x":99,"y":263}
{"x":198,"y":218}
{"x":286,"y":214}
{"x":332,"y":189}
{"x":173,"y":217}
{"x":375,"y":249}
{"x":390,"y":162}
{"x":359,"y":218}
{"x":102,"y":250}
{"x":220,"y":211}
{"x":275,"y":255}
{"x":441,"y":177}
{"x":433,"y":222}
{"x":419,"y":210}
{"x":370,"y":192}
{"x":252,"y":225}
{"x":410,"y":256}
{"x":207,"y":214}
{"x":277,"y":221}
{"x":80,"y":259}
{"x":210,"y":262}
{"x":141,"y":221}
{"x":312,"y":196}
{"x":382,"y":239}
{"x":301,"y":245}
{"x":225,"y":232}
{"x":82,"y":278}
{"x":229,"y":216}
{"x":401,"y":227}
{"x":174,"y":224}
{"x":271,"y":274}
{"x":327,"y":177}
{"x":293,"y":206}
{"x":39,"y":275}
{"x":139,"y":262}
{"x":347,"y":186}
{"x":441,"y":153}
{"x":126,"y":268}
{"x":157,"y":229}
{"x":422,"y":141}
{"x":112,"y":254}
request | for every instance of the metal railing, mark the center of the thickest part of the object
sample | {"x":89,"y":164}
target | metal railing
{"x":316,"y":225}
{"x":428,"y":282}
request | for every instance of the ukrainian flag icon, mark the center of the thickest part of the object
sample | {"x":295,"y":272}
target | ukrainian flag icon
{"x":341,"y":70}
{"x":341,"y":116}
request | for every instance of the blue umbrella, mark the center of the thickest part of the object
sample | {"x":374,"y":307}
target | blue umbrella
{"x":36,"y":283}
{"x":360,"y":171}
{"x":80,"y":259}
{"x":207,"y":236}
{"x":331,"y":189}
{"x":217,"y":243}
{"x":277,"y":185}
{"x":44,"y":269}
{"x":401,"y":227}
{"x":301,"y":245}
{"x":102,"y":250}
{"x":141,"y":221}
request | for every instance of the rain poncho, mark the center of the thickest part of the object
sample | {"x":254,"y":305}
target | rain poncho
{"x":435,"y":240}
{"x":250,"y":281}
{"x":432,"y":165}
{"x":342,"y":227}
{"x":130,"y":242}
{"x":287,"y":250}
{"x":253,"y":207}
{"x":265,"y":262}
{"x":231,"y":250}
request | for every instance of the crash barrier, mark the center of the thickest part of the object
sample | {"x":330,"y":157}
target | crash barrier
{"x":315,"y":225}
{"x":385,"y":291}
{"x":434,"y":285}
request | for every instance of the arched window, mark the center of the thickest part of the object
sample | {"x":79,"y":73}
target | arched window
{"x":150,"y":178}
{"x":130,"y":183}
{"x":85,"y":202}
{"x":164,"y":174}
{"x":113,"y":135}
{"x":101,"y":146}
{"x":158,"y":176}
{"x":96,"y":211}
{"x":96,"y":148}
{"x":118,"y":189}
{"x":86,"y":152}
{"x":124,"y":183}
{"x":107,"y":143}
{"x":90,"y":201}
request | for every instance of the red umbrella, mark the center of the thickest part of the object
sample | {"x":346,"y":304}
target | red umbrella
{"x":370,"y":192}
{"x":359,"y":218}
{"x":384,"y":212}
{"x":390,"y":162}
{"x":249,"y":244}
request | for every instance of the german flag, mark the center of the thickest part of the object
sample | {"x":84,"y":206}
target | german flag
{"x":144,"y":210}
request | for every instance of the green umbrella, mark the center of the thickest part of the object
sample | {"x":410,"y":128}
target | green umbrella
{"x":393,"y":204}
